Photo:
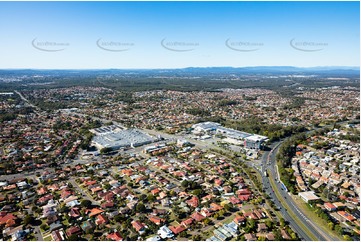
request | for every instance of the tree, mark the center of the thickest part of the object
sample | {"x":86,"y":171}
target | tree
{"x":107,"y":186}
{"x":105,"y":150}
{"x":338,"y":229}
{"x":44,"y":227}
{"x":73,"y":237}
{"x":197,"y":192}
{"x":269,"y":224}
{"x":140,"y":207}
{"x":282,"y":222}
{"x":331,"y":225}
{"x":293,"y":235}
{"x":207,"y":221}
{"x":196,"y":237}
{"x":86,"y":203}
{"x":89,"y":231}
{"x":151,"y":197}
{"x":185,"y":183}
{"x":29,"y":219}
{"x":277,"y":234}
{"x":118,"y":218}
{"x":251,"y":224}
{"x":347,"y":237}
{"x":183,"y":234}
{"x":228,"y":207}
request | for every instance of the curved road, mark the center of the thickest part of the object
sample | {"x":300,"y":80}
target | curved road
{"x":269,"y":164}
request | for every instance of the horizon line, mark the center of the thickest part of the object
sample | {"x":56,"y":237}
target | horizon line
{"x":179,"y":68}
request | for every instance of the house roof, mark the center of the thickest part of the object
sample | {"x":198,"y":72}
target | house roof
{"x":178,"y":229}
{"x":250,"y":236}
{"x":7,"y":218}
{"x":115,"y":236}
{"x":101,"y":219}
{"x":330,"y":206}
{"x":187,"y":221}
{"x":194,"y":201}
{"x":95,"y":211}
{"x":156,"y":220}
{"x":197,"y":216}
{"x":73,"y":230}
{"x":137,"y":225}
{"x":239,"y":219}
{"x":215,"y":207}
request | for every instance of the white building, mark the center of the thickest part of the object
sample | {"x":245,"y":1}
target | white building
{"x":165,"y":233}
{"x":308,"y":196}
{"x":205,"y":127}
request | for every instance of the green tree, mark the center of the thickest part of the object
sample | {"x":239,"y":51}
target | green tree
{"x":269,"y":224}
{"x":86,"y":203}
{"x":151,"y":197}
{"x":140,"y":207}
{"x":185,"y":183}
{"x":105,"y":150}
{"x":251,"y":224}
{"x":197,"y":192}
{"x":282,"y":222}
{"x":107,"y":186}
{"x":347,"y":237}
{"x":331,"y":225}
{"x":73,"y":237}
{"x":207,"y":221}
{"x":228,"y":207}
{"x":29,"y":219}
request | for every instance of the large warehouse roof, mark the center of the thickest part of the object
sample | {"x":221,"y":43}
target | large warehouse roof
{"x":123,"y":138}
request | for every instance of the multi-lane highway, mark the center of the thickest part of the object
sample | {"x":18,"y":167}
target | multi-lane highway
{"x":305,"y":228}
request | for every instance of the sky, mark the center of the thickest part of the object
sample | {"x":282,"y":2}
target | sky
{"x":102,"y":35}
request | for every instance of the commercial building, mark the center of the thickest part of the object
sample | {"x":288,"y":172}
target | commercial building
{"x":107,"y":129}
{"x":308,"y":196}
{"x":205,"y":127}
{"x":255,"y":141}
{"x":250,"y":141}
{"x":117,"y":138}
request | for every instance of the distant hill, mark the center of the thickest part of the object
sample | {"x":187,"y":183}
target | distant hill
{"x":192,"y":70}
{"x":183,"y":79}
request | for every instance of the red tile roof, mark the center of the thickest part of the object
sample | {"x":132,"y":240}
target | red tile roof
{"x":101,"y":219}
{"x":197,"y":216}
{"x":178,"y":229}
{"x":187,"y":222}
{"x":156,"y":220}
{"x":115,"y":236}
{"x":193,"y":202}
{"x":73,"y":230}
{"x":346,"y":215}
{"x":95,"y":211}
{"x":137,"y":225}
{"x":239,"y":219}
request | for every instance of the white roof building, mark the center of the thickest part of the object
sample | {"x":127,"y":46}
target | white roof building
{"x":308,"y":196}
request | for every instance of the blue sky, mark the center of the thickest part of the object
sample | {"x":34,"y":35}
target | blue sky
{"x":72,"y":35}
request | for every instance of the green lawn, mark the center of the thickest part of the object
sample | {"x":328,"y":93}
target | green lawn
{"x":65,"y":222}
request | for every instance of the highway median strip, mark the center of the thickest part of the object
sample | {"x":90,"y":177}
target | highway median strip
{"x":290,"y":212}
